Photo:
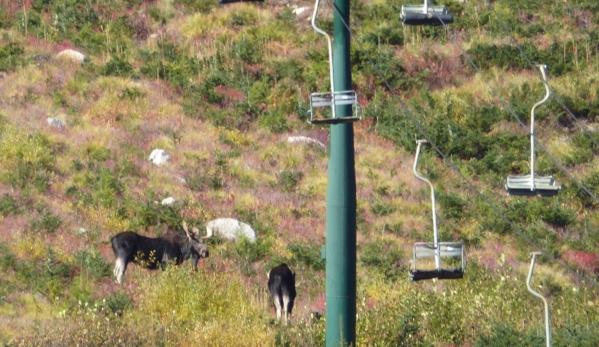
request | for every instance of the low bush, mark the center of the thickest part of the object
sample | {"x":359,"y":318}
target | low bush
{"x":8,"y":205}
{"x":92,"y":262}
{"x":385,"y":257}
{"x":27,"y":159}
{"x":289,"y":180}
{"x":380,"y":207}
{"x":307,"y":255}
{"x":452,"y":205}
{"x":11,"y":56}
{"x":253,"y":251}
{"x":118,"y":66}
{"x":47,"y":223}
{"x":505,"y":335}
{"x":203,"y":6}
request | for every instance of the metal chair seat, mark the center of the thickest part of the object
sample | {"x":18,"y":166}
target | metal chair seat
{"x":522,"y":186}
{"x":425,"y":15}
{"x":444,"y":250}
{"x":443,"y":274}
{"x":332,"y":100}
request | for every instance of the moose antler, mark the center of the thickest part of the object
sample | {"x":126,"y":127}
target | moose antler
{"x":209,"y":232}
{"x":189,"y":234}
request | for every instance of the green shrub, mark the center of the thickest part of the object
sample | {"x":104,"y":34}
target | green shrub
{"x":308,"y":255}
{"x":386,"y":326}
{"x":96,"y":152}
{"x":8,"y":205}
{"x":253,"y":251}
{"x":247,"y":49}
{"x":575,"y":335}
{"x":48,"y":223}
{"x":90,"y":40}
{"x":591,"y":182}
{"x":11,"y":56}
{"x":582,"y":108}
{"x":288,"y":68}
{"x":7,"y":259}
{"x":275,"y":121}
{"x":93,"y":263}
{"x":381,"y":208}
{"x":260,"y":91}
{"x":504,"y":335}
{"x":243,"y":17}
{"x":106,"y":189}
{"x":388,"y":69}
{"x":151,"y":214}
{"x":117,"y":302}
{"x":288,"y":180}
{"x":49,"y":277}
{"x":26,"y":159}
{"x":132,"y":94}
{"x":169,"y":63}
{"x":214,"y":79}
{"x":452,"y":205}
{"x":203,"y":6}
{"x":118,"y":66}
{"x":385,"y":257}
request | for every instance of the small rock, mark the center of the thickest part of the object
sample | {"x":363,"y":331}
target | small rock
{"x":71,"y":55}
{"x":168,"y":201}
{"x":299,"y":11}
{"x":306,"y":140}
{"x":230,"y":228}
{"x":55,"y":122}
{"x":159,"y":157}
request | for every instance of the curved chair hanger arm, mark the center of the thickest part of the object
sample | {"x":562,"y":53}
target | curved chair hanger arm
{"x":542,"y":68}
{"x":329,"y":43}
{"x":422,"y":178}
{"x":547,"y":314}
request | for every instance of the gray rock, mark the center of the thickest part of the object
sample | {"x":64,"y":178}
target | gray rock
{"x":55,"y":122}
{"x":159,"y":157}
{"x":230,"y":228}
{"x":71,"y":55}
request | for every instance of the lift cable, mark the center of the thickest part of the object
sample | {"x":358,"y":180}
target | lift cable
{"x":580,"y":277}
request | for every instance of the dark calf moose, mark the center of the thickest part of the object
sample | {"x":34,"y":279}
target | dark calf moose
{"x":150,"y":252}
{"x":281,"y":284}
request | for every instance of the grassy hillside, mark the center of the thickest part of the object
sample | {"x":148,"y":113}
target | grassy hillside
{"x":221,"y":89}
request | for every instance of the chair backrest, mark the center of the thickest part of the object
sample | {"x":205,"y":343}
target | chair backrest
{"x":331,"y":100}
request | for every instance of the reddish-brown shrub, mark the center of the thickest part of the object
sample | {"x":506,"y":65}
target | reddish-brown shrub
{"x":586,"y":261}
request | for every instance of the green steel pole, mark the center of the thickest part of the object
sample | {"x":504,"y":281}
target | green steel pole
{"x":340,"y":250}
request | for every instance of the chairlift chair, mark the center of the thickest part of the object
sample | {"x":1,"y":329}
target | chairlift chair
{"x":422,"y":270}
{"x":425,"y":14}
{"x":334,"y":98}
{"x":530,"y":185}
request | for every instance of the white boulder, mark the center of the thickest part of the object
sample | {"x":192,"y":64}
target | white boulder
{"x":71,"y":55}
{"x":55,"y":122}
{"x":299,"y":11}
{"x":230,"y":228}
{"x":168,"y":201}
{"x":159,"y":157}
{"x":306,"y":140}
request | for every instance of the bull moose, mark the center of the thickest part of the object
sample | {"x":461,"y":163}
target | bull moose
{"x":281,"y":284}
{"x":151,"y":252}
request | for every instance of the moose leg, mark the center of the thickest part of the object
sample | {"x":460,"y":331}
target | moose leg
{"x":119,"y":269}
{"x":278,"y":306}
{"x":164,"y":261}
{"x":286,"y":310}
